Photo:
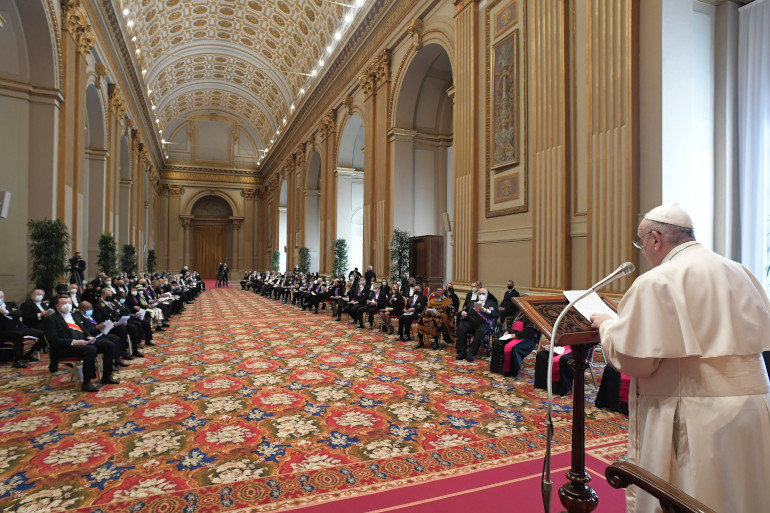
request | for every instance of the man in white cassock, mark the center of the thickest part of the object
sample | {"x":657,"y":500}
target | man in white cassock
{"x":690,"y":333}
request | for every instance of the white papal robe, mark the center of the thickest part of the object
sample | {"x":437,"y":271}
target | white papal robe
{"x":690,"y":333}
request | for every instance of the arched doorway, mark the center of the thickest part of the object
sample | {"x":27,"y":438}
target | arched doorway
{"x":92,"y":196}
{"x":283,"y":220}
{"x":350,"y":190}
{"x":211,"y":229}
{"x":313,"y":211}
{"x":423,"y":153}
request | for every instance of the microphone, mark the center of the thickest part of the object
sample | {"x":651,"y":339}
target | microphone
{"x":624,"y":269}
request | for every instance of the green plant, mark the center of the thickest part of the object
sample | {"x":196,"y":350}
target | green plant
{"x":399,"y":255}
{"x":49,"y":247}
{"x":128,"y":259}
{"x":340,"y":264}
{"x":275,"y":265}
{"x":107,"y":260}
{"x":304,"y":259}
{"x":152,"y":261}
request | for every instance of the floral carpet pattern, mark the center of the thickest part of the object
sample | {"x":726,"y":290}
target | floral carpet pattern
{"x":248,"y":404}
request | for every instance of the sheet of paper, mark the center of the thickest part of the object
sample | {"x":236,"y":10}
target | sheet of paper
{"x":590,"y":304}
{"x":107,"y":327}
{"x":123,"y":320}
{"x":140,"y":314}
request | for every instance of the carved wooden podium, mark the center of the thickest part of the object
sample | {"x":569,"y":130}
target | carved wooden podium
{"x":575,"y":330}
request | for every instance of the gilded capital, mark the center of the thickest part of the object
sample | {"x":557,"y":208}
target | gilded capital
{"x":460,"y":5}
{"x":366,"y":81}
{"x":174,"y":190}
{"x":381,"y":67}
{"x":117,"y":102}
{"x":76,"y":23}
{"x":326,"y":128}
{"x":249,"y":194}
{"x":348,"y":104}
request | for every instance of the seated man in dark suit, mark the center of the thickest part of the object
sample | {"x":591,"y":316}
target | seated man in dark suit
{"x":68,"y":338}
{"x":507,"y":308}
{"x":34,"y":310}
{"x":12,"y":329}
{"x":477,"y":319}
{"x":83,"y":315}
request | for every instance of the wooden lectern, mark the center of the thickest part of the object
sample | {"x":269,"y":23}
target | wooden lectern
{"x":575,"y":330}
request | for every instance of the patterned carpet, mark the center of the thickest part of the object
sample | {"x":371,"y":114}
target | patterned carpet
{"x":247,"y":404}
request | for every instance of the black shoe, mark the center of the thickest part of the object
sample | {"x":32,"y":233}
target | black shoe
{"x":110,"y":381}
{"x":159,"y":329}
{"x":390,"y":329}
{"x":19,"y":365}
{"x":149,"y":343}
{"x":435,"y":344}
{"x":419,"y":345}
{"x":121,"y":363}
{"x":29,"y":356}
{"x":87,"y":386}
{"x":165,"y":324}
{"x":361,"y":326}
{"x":338,"y":319}
{"x":127,"y":357}
{"x":137,"y":354}
{"x":460,"y":356}
{"x":315,"y":313}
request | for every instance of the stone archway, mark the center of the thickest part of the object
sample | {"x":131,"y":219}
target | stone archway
{"x":350,"y":190}
{"x":423,"y":148}
{"x":211,"y":222}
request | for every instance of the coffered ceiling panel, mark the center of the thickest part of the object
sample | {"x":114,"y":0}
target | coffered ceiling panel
{"x":246,"y":58}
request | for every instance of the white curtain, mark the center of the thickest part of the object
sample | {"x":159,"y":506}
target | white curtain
{"x":754,"y":135}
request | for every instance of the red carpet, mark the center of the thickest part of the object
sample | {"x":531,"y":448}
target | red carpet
{"x":514,"y":487}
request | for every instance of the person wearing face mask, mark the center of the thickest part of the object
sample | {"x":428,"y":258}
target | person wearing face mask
{"x":437,"y":320}
{"x":144,"y":325}
{"x":107,"y":309}
{"x":83,"y":315}
{"x":34,"y":310}
{"x":354,"y":297}
{"x":378,"y":298}
{"x":393,"y":308}
{"x":507,"y":308}
{"x":69,"y":338}
{"x":74,"y":294}
{"x":450,"y":293}
{"x":412,"y":311}
{"x":477,"y":320}
{"x":11,"y":328}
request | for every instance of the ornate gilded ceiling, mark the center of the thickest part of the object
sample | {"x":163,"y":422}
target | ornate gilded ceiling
{"x":245,"y":58}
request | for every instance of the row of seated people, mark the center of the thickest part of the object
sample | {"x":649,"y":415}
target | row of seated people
{"x":436,"y":315}
{"x":80,"y":324}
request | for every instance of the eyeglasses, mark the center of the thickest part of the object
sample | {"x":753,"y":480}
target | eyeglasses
{"x":638,"y":243}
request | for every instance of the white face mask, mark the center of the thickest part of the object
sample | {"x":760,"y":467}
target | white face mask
{"x":66,"y":308}
{"x":133,"y":292}
{"x":482,"y":297}
{"x":475,"y":289}
{"x":38,"y":298}
{"x":73,"y":292}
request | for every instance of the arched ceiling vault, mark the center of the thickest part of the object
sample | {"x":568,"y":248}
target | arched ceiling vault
{"x":243,"y":58}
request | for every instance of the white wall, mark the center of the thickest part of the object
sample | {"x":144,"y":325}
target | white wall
{"x":688,"y":111}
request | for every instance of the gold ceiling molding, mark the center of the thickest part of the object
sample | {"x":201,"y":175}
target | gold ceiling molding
{"x":174,"y":190}
{"x":101,"y":72}
{"x":76,"y":23}
{"x":415,"y":29}
{"x":192,"y":176}
{"x":376,"y":73}
{"x":249,"y":194}
{"x":462,"y":4}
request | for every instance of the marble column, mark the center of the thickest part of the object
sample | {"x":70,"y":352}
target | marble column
{"x":174,"y":225}
{"x":237,"y":261}
{"x":187,"y":226}
{"x":328,"y":133}
{"x":249,"y":207}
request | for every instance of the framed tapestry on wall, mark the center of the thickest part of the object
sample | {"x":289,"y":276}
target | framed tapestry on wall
{"x":506,"y":164}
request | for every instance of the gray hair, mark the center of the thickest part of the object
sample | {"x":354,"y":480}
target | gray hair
{"x":671,"y":233}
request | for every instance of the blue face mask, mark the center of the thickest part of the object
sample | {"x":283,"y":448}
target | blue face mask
{"x":122,"y":300}
{"x":89,"y":313}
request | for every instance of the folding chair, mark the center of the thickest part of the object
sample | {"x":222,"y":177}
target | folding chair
{"x":75,"y":363}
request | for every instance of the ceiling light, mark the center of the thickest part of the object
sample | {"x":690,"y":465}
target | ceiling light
{"x":149,"y":91}
{"x":138,"y":51}
{"x":125,"y":12}
{"x":292,"y":107}
{"x":133,"y":38}
{"x":163,"y":141}
{"x":359,"y":3}
{"x":302,"y":91}
{"x":348,"y":17}
{"x":272,"y":141}
{"x":284,"y":121}
{"x":321,"y":62}
{"x":153,"y":107}
{"x":338,"y":35}
{"x":313,"y":73}
{"x":277,"y":132}
{"x":157,"y":120}
{"x":160,"y":131}
{"x":130,"y":23}
{"x":144,"y":72}
{"x":329,"y":49}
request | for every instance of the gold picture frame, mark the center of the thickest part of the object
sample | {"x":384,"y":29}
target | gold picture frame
{"x":504,"y":107}
{"x":506,"y":17}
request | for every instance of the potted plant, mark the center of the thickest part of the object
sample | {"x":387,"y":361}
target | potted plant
{"x":340,"y":264}
{"x":152,"y":260}
{"x":128,"y":259}
{"x":399,"y":255}
{"x":275,"y":265}
{"x":49,"y":247}
{"x":108,"y":255}
{"x":304,"y":260}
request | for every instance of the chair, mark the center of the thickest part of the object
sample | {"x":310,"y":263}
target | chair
{"x":7,"y":345}
{"x":592,"y":363}
{"x":75,"y":363}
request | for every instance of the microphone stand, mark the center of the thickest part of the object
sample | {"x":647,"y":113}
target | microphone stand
{"x":547,"y":484}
